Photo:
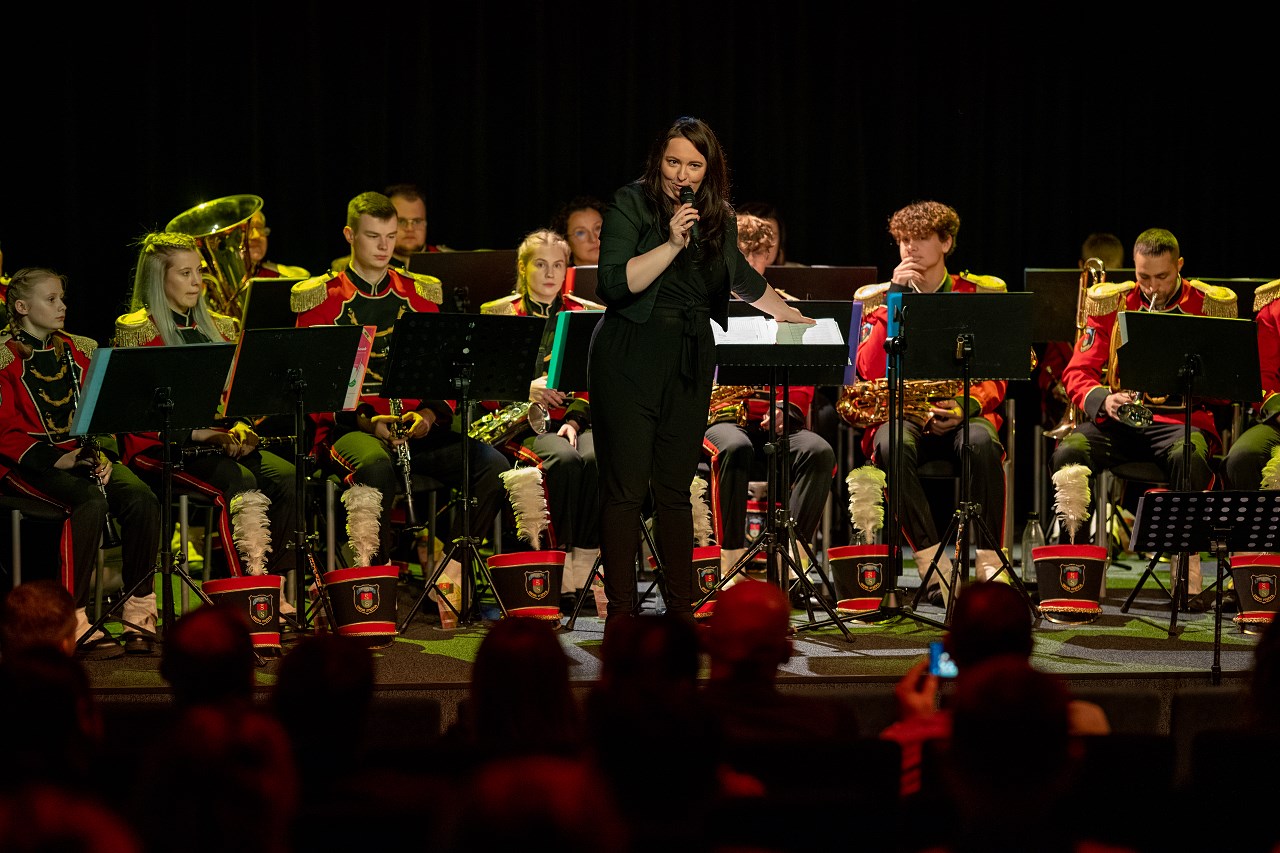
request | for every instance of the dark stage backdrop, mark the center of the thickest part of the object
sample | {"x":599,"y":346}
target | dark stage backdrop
{"x":1037,"y":128}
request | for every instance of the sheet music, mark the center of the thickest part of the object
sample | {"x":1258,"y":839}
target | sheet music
{"x":766,"y":330}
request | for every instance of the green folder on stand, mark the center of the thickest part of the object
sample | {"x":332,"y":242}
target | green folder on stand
{"x":568,"y":368}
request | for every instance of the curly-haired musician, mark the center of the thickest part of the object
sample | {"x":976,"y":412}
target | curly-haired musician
{"x":168,"y":308}
{"x":41,"y":370}
{"x":565,"y":448}
{"x":361,"y":444}
{"x":926,"y":236}
{"x":1104,"y":438}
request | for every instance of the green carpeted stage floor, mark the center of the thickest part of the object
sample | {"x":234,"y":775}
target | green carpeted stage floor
{"x":1133,"y":650}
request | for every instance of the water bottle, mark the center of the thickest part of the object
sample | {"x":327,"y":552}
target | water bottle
{"x":1032,"y":538}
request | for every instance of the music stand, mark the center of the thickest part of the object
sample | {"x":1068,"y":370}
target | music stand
{"x":1165,"y":354}
{"x":784,"y":364}
{"x":300,"y":371}
{"x":461,"y":356}
{"x":970,"y":336}
{"x":154,"y":389}
{"x":1219,"y":522}
{"x":267,"y":304}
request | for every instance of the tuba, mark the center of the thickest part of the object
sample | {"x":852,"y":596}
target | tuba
{"x":866,"y":403}
{"x":1094,"y":272}
{"x":221,"y":229}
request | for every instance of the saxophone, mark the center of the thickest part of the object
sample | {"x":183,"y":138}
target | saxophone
{"x":729,"y":403}
{"x":501,"y":425}
{"x":866,"y":403}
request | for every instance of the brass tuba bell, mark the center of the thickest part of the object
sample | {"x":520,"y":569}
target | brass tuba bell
{"x":221,"y":230}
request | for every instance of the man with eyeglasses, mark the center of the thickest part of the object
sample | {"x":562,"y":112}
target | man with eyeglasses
{"x":259,"y":266}
{"x":412,"y":236}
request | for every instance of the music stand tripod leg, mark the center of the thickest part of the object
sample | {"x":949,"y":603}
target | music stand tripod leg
{"x":1149,"y":573}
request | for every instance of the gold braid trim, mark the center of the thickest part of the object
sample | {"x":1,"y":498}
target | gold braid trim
{"x":505,"y":305}
{"x":85,"y":345}
{"x":872,"y":296}
{"x":6,"y":354}
{"x":1265,"y":295}
{"x":135,"y":329}
{"x":228,"y":327}
{"x":306,"y":295}
{"x":428,"y":287}
{"x":1105,"y":298}
{"x":1218,"y":301}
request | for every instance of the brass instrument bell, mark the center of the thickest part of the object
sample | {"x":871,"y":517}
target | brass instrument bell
{"x":221,"y":230}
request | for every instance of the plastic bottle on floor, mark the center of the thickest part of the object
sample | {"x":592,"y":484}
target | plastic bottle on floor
{"x":1032,"y":538}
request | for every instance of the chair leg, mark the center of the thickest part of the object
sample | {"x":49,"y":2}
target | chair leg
{"x":15,"y":530}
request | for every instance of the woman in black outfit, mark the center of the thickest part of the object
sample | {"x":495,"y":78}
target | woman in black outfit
{"x":666,"y":268}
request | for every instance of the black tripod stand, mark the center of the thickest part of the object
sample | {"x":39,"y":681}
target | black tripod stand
{"x":1222,"y":351}
{"x":162,"y":390}
{"x":436,"y":356}
{"x":1218,"y":522}
{"x":298,"y":372}
{"x":954,"y":324}
{"x":659,"y":576}
{"x":809,"y":363}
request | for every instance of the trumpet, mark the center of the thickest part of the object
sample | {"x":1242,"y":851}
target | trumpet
{"x":1133,"y":413}
{"x":1093,"y":273}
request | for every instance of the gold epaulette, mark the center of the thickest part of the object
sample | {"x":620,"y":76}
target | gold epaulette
{"x":306,"y":295}
{"x":1105,"y":298}
{"x":502,"y":305}
{"x":228,"y":327}
{"x":85,"y":345}
{"x":1218,"y":301}
{"x":987,"y":283}
{"x":134,"y":329}
{"x":587,"y":304}
{"x":1265,"y":295}
{"x":872,"y":296}
{"x":428,"y":286}
{"x":287,"y":271}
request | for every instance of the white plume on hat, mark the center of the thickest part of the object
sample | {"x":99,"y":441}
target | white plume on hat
{"x":1271,"y":471}
{"x":364,"y":513}
{"x":250,"y":529}
{"x":529,"y":502}
{"x":1071,"y":495}
{"x":701,"y":511}
{"x":866,"y":500}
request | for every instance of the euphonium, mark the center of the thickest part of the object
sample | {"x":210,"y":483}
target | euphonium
{"x":729,"y":403}
{"x":866,"y":403}
{"x":1094,"y":272}
{"x":221,"y":229}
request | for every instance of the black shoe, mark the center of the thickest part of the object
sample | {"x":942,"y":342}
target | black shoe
{"x":137,"y":644}
{"x":104,"y":649}
{"x":1206,"y":601}
{"x":934,"y":596}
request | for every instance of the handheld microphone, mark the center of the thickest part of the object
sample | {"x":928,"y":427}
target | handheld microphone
{"x":686,"y":197}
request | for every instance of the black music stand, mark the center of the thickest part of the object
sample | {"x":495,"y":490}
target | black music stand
{"x":300,"y":371}
{"x":166,"y":390}
{"x":785,"y":365}
{"x":966,"y":336}
{"x":1219,"y":522}
{"x":462,"y":356}
{"x":1165,"y":354}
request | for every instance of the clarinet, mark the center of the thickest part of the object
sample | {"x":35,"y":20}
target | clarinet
{"x":265,"y":442}
{"x":404,"y":459}
{"x":89,"y":452}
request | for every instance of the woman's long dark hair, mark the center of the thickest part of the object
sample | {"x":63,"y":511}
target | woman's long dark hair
{"x":712,"y":200}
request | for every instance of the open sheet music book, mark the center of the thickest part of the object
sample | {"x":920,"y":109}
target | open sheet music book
{"x":766,"y":330}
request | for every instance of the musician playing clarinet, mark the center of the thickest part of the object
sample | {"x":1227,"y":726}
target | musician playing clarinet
{"x":926,"y":234}
{"x":219,"y":462}
{"x":41,"y":370}
{"x":361,"y":445}
{"x":1111,"y":430}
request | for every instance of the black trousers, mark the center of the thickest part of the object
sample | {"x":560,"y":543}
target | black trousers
{"x":571,"y":480}
{"x":368,"y":461}
{"x":1102,"y":446}
{"x":650,"y":387}
{"x":1249,"y":455}
{"x":134,"y":506}
{"x":736,"y":451}
{"x":986,"y":471}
